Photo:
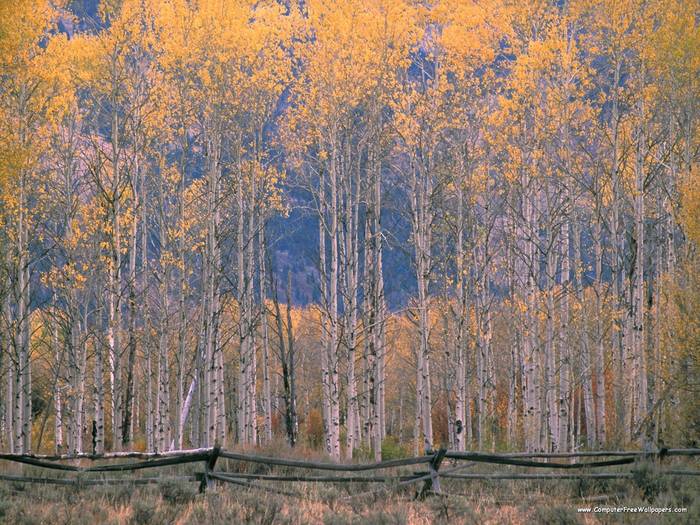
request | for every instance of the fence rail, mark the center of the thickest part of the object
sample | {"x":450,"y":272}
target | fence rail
{"x":430,"y":477}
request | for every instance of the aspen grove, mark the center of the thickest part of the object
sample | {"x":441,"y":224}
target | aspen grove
{"x":494,"y":209}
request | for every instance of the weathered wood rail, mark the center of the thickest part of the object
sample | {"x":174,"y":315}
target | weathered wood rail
{"x":430,"y":477}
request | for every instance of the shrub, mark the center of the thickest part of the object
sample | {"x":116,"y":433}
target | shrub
{"x":142,"y":512}
{"x":648,"y":481}
{"x":374,"y":518}
{"x":554,"y":515}
{"x":452,"y":509}
{"x":383,"y":517}
{"x":119,"y":495}
{"x":363,"y":453}
{"x":314,"y":428}
{"x":392,"y":449}
{"x":177,"y":493}
{"x":583,"y":487}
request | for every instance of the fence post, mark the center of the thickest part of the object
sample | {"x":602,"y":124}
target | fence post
{"x":207,"y":482}
{"x":661,"y":455}
{"x":433,"y":484}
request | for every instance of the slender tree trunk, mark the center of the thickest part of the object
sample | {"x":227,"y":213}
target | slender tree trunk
{"x":588,"y":365}
{"x":325,"y":316}
{"x":333,"y":372}
{"x":564,"y":343}
{"x":182,"y":292}
{"x":267,"y":393}
{"x":210,"y":342}
{"x":99,"y":392}
{"x":243,"y":327}
{"x":162,"y":420}
{"x":287,"y":361}
{"x":421,"y":223}
{"x":150,"y":424}
{"x":133,"y":312}
{"x":461,"y":381}
{"x":23,"y":388}
{"x":251,"y":381}
{"x":639,"y":352}
{"x":600,"y":403}
{"x":621,"y":393}
{"x":532,"y":405}
{"x":293,"y":424}
{"x":58,"y":402}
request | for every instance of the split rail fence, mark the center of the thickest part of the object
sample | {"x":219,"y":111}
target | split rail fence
{"x":574,"y":465}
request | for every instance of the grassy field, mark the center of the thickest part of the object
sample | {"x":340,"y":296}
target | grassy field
{"x":469,"y":502}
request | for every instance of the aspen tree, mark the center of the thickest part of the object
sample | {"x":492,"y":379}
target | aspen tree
{"x":24,"y":95}
{"x":535,"y":163}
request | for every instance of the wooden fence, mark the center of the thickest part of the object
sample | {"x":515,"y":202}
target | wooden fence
{"x":571,"y":462}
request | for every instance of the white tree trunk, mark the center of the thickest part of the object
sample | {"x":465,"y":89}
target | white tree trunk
{"x":267,"y":392}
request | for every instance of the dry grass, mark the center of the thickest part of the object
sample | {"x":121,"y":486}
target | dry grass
{"x":469,"y":502}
